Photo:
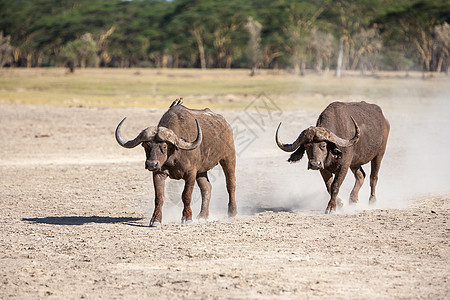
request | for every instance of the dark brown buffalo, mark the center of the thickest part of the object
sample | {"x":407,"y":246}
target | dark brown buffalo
{"x":170,"y":155}
{"x":347,"y":135}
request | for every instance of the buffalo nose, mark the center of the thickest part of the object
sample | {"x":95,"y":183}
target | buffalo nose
{"x":315,"y":165}
{"x":151,"y":165}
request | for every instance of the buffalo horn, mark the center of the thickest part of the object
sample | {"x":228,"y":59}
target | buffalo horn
{"x":318,"y":132}
{"x":343,"y":142}
{"x":168,"y":135}
{"x":145,"y":135}
{"x":288,"y":147}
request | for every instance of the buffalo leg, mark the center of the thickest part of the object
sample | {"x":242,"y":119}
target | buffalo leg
{"x":375,"y":168}
{"x":186,"y":197}
{"x":359,"y":180}
{"x":158,"y":182}
{"x":328,"y":179}
{"x":229,"y":167}
{"x":205,"y":189}
{"x":334,"y":190}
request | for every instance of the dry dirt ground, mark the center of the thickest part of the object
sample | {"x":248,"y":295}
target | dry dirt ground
{"x":75,"y":208}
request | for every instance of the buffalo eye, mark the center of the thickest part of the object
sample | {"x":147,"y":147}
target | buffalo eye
{"x":323,"y":147}
{"x":337,"y":152}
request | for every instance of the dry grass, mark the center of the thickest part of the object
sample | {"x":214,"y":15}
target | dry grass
{"x":217,"y":89}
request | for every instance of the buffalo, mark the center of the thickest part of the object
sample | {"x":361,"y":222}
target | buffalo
{"x":346,"y":135}
{"x":186,"y":144}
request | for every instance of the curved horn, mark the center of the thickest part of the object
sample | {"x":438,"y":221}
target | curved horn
{"x":145,"y":135}
{"x":343,"y":142}
{"x":168,"y":135}
{"x":289,"y":147}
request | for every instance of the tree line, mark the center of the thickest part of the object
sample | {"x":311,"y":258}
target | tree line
{"x":365,"y":35}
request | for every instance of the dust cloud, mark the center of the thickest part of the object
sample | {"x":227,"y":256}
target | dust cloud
{"x":414,"y":166}
{"x":416,"y":161}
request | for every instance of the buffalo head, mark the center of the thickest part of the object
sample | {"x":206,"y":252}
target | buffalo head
{"x":159,"y":143}
{"x":319,"y":143}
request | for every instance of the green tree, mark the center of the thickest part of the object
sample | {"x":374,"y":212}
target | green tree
{"x":229,"y":35}
{"x":209,"y":33}
{"x":194,"y":18}
{"x":6,"y":50}
{"x":413,"y":23}
{"x":41,"y":28}
{"x":254,"y":44}
{"x":301,"y":21}
{"x":322,"y":44}
{"x":351,"y":20}
{"x":442,"y":45}
{"x":81,"y":52}
{"x":271,"y":16}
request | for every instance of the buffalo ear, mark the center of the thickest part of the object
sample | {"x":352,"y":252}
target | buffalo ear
{"x":297,"y":155}
{"x":335,"y":150}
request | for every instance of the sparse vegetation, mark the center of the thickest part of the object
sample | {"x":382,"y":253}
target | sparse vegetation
{"x":218,"y":89}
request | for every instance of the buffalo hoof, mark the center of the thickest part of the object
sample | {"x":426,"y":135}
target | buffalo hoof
{"x":232,"y":212}
{"x":202,"y":217}
{"x":186,"y":222}
{"x":155,"y":224}
{"x":372,"y":200}
{"x":330,"y":212}
{"x":353,"y":200}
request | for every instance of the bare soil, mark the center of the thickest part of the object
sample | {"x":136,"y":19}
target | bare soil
{"x":75,"y":208}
